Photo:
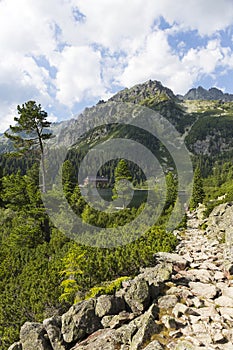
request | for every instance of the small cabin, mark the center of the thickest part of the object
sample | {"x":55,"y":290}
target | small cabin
{"x":98,"y":181}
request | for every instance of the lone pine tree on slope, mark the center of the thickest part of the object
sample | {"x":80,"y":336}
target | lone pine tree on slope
{"x":29,"y":132}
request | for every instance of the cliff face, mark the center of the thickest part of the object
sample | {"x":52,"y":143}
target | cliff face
{"x":184,"y":302}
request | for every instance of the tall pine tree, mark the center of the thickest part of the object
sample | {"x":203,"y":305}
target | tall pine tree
{"x":29,"y":133}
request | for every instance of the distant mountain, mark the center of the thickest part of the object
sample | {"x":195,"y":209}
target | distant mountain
{"x":212,"y":94}
{"x":204,"y":118}
{"x":141,"y":92}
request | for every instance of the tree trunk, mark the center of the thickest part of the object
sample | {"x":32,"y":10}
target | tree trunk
{"x":43,"y":173}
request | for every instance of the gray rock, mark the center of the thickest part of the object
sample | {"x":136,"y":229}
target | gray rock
{"x":219,"y":276}
{"x":204,"y":338}
{"x":167,"y":301}
{"x":119,"y":320}
{"x":33,"y":336}
{"x":203,"y":289}
{"x":228,"y":346}
{"x":169,"y":322}
{"x":224,"y":301}
{"x":157,"y":274}
{"x":79,"y":321}
{"x":179,"y":310}
{"x":53,"y":328}
{"x":173,"y":258}
{"x":185,"y":345}
{"x":227,"y":291}
{"x":137,"y":296}
{"x":197,"y":302}
{"x":199,"y":327}
{"x":109,"y":305}
{"x":106,"y":320}
{"x":201,"y":275}
{"x":218,"y":337}
{"x":156,"y":277}
{"x":228,"y":265}
{"x":104,"y":339}
{"x":126,"y":332}
{"x":146,"y":328}
{"x":154,"y":345}
{"x":207,"y":312}
{"x":194,"y":319}
{"x":226,"y":313}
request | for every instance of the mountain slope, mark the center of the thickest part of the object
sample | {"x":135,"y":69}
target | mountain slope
{"x":203,"y":117}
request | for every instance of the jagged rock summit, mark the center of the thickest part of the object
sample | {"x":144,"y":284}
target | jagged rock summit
{"x":184,"y":302}
{"x":212,"y":94}
{"x":140,"y":92}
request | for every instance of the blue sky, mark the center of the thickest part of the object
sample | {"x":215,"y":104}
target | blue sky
{"x":68,"y":54}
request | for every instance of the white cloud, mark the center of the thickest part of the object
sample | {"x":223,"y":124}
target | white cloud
{"x":158,"y":61}
{"x":78,"y":75}
{"x":116,"y":42}
{"x":205,"y":16}
{"x":150,"y":61}
{"x":206,"y":60}
{"x":7,"y":118}
{"x":116,"y":24}
{"x":52,"y":118}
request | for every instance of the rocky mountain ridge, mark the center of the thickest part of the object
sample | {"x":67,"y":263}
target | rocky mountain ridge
{"x":185,"y":301}
{"x":197,"y":109}
{"x":203,"y":94}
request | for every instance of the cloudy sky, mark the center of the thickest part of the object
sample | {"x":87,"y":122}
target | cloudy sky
{"x":68,"y":54}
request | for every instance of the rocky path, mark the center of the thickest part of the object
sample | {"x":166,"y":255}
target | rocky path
{"x":197,"y":310}
{"x":183,"y":302}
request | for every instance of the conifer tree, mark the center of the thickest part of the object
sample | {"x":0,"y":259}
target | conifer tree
{"x":29,"y":132}
{"x":68,"y":178}
{"x":198,"y":194}
{"x":171,"y":193}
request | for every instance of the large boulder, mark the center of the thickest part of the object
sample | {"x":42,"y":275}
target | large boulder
{"x":33,"y":336}
{"x":80,"y":321}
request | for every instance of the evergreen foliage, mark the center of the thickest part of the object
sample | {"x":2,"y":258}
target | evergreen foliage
{"x":198,"y":194}
{"x":123,"y":177}
{"x":29,"y":132}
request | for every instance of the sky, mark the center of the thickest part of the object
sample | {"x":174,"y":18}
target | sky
{"x":69,"y":54}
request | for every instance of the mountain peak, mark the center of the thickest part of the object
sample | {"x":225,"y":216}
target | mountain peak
{"x":147,"y":90}
{"x":203,"y":94}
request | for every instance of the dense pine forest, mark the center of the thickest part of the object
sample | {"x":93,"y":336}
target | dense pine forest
{"x":43,"y":272}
